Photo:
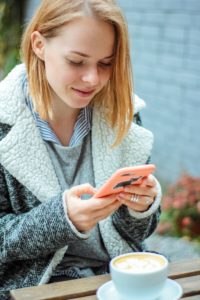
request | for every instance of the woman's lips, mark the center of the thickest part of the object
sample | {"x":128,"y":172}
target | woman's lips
{"x":83,"y":93}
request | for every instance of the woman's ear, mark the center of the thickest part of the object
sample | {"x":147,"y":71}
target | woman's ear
{"x":38,"y":44}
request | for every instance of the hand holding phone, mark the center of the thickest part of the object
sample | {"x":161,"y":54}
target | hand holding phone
{"x":123,"y":177}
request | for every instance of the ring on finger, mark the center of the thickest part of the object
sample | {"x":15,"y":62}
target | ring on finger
{"x":134,"y":198}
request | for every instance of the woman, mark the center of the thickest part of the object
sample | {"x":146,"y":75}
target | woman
{"x":65,"y":127}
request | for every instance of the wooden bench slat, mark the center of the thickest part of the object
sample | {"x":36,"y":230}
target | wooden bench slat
{"x":59,"y":290}
{"x":93,"y":297}
{"x":184,"y":268}
{"x":190,"y":285}
{"x":188,"y":298}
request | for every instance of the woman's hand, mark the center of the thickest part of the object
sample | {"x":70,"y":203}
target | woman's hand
{"x":85,"y":214}
{"x":139,"y":196}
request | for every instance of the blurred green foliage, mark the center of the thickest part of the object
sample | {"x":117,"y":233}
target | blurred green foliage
{"x":11,"y":20}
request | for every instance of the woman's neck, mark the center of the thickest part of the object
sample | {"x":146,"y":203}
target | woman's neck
{"x":63,"y":125}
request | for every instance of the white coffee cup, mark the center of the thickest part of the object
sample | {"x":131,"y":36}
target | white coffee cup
{"x":139,"y":275}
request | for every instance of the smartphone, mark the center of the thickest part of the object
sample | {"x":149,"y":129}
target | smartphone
{"x":123,"y":177}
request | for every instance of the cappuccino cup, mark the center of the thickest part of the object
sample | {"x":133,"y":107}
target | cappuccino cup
{"x":139,"y":275}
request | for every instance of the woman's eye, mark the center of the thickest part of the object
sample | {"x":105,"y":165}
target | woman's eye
{"x":75,"y":63}
{"x":105,"y":65}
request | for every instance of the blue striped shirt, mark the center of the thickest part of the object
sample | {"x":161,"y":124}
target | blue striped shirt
{"x":81,"y":128}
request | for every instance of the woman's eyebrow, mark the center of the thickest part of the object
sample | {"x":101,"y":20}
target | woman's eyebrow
{"x":86,"y":55}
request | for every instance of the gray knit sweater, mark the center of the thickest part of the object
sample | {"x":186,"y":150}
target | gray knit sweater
{"x":73,"y":166}
{"x":34,"y":231}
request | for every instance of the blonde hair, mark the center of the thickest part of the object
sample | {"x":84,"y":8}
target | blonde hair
{"x":116,"y":96}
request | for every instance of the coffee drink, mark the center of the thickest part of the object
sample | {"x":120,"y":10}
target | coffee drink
{"x":139,"y":275}
{"x":139,"y":263}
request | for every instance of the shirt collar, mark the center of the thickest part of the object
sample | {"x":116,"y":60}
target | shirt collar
{"x":81,"y":129}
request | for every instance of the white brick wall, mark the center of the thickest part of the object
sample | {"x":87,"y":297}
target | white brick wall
{"x":165,"y":44}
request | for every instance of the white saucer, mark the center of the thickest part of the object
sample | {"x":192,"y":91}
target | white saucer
{"x":172,"y":291}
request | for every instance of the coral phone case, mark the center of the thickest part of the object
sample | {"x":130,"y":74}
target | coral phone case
{"x":123,"y":177}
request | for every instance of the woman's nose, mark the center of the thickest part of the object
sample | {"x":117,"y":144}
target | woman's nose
{"x":91,"y":76}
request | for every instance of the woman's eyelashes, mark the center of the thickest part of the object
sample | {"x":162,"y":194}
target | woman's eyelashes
{"x":105,"y":65}
{"x":81,"y":63}
{"x":75,"y":63}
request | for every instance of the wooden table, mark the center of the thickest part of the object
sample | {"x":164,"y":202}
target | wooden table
{"x":186,"y":273}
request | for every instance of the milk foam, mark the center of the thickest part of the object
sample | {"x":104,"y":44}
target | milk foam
{"x":131,"y":264}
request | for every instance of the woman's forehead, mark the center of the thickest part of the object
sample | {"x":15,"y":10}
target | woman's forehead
{"x":86,"y":35}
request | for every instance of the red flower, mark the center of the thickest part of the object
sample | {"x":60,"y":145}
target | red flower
{"x":181,"y":208}
{"x":186,"y":221}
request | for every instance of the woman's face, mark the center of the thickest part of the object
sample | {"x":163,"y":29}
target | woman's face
{"x":78,"y":62}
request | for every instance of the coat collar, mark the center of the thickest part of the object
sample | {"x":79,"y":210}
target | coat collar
{"x":23,"y":153}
